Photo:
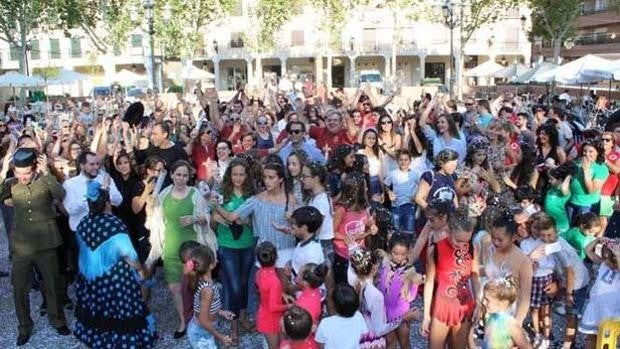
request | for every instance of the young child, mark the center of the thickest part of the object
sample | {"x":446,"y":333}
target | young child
{"x":604,"y":302}
{"x":309,"y":281}
{"x":501,"y":329}
{"x":398,"y":281}
{"x":307,"y":221}
{"x":297,"y":326}
{"x":271,"y":305}
{"x":345,"y":329}
{"x":558,"y":195}
{"x":542,"y":279}
{"x":364,"y":265}
{"x":448,"y":298}
{"x":571,"y":273}
{"x":404,"y":182}
{"x":187,"y":291}
{"x":201,"y":331}
{"x":589,"y":227}
{"x":525,"y":196}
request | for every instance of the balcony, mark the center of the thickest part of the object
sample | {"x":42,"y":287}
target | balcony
{"x":604,"y":43}
{"x":598,"y":39}
{"x":591,"y":10}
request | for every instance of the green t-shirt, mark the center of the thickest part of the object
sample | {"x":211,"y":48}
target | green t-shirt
{"x":224,"y":235}
{"x":579,"y":193}
{"x":555,"y":203}
{"x":578,"y":240}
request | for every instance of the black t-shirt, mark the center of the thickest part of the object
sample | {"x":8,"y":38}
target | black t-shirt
{"x":169,"y":155}
{"x":442,"y":186}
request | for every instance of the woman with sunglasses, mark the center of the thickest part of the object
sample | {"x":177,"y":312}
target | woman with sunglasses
{"x":389,"y":141}
{"x":608,"y":191}
{"x":264,"y":137}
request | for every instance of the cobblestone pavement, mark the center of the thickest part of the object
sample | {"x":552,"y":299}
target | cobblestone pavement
{"x":45,"y":337}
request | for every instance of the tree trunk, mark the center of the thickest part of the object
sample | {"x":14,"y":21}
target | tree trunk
{"x":557,"y":46}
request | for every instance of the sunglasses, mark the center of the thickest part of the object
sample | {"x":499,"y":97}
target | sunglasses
{"x":469,"y":104}
{"x":2,"y":125}
{"x":262,"y":123}
{"x":607,"y":140}
{"x":385,"y":122}
{"x":296,"y":132}
{"x":539,"y":110}
{"x":366,"y":104}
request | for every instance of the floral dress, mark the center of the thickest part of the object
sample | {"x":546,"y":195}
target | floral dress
{"x":475,"y":201}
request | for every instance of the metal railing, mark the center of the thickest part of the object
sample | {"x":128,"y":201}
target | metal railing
{"x":598,"y":39}
{"x":586,"y":11}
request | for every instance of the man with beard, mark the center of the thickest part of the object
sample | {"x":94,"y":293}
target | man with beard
{"x":75,"y":200}
{"x":34,"y":239}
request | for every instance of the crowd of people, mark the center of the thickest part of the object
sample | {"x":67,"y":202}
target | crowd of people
{"x":314,"y":218}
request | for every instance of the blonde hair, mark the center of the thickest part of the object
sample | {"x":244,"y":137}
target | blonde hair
{"x":504,"y":289}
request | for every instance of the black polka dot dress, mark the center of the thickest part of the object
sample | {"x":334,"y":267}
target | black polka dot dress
{"x":110,"y":311}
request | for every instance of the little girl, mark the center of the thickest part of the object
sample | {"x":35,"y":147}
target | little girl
{"x":501,"y":329}
{"x":271,"y":305}
{"x":364,"y":266}
{"x":448,"y":300}
{"x":398,"y":281}
{"x":604,"y":301}
{"x":201,"y":331}
{"x":297,"y":327}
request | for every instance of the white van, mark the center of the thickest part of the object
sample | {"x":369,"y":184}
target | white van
{"x":373,"y":77}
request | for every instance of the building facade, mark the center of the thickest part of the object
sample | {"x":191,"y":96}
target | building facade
{"x":598,"y":32}
{"x":421,"y":55}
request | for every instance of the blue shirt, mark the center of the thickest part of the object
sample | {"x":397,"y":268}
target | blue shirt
{"x":313,"y":152}
{"x":439,"y":143}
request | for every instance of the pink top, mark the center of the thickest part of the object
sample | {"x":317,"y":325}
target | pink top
{"x":310,"y":300}
{"x":271,"y":307}
{"x":353,"y":223}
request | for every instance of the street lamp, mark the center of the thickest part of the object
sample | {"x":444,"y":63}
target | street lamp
{"x":148,"y":6}
{"x":215,"y":47}
{"x":450,"y":21}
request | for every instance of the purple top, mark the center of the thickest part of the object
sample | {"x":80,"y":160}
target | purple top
{"x":391,"y":283}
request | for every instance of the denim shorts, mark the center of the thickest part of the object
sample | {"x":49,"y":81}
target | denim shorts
{"x":581,"y":297}
{"x":198,"y":337}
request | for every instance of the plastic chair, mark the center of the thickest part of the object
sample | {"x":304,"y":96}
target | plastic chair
{"x":608,"y":333}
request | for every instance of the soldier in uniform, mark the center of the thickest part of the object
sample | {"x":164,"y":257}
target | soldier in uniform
{"x":35,"y":238}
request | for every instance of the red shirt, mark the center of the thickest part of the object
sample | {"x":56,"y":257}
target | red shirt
{"x":271,"y":306}
{"x":200,"y":154}
{"x":609,"y":187}
{"x":323,"y":137}
{"x":310,"y":300}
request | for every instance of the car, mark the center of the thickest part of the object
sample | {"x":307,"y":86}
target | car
{"x":373,"y":77}
{"x":101,"y":91}
{"x":133,"y":94}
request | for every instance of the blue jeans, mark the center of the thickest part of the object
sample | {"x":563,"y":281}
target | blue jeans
{"x":404,"y":218}
{"x":235,"y":266}
{"x":198,"y":337}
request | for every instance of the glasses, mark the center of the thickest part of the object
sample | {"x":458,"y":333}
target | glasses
{"x":469,"y":104}
{"x":2,"y":125}
{"x":366,"y":104}
{"x":539,"y":110}
{"x":385,"y":122}
{"x":607,"y":140}
{"x":222,"y":148}
{"x":296,"y":132}
{"x":262,"y":123}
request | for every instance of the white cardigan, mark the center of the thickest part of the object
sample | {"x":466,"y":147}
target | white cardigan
{"x":155,"y":224}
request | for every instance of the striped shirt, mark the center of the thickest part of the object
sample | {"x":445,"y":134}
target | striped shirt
{"x":216,"y":301}
{"x":264,"y":215}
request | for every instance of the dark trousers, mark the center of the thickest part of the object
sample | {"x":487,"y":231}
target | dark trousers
{"x":46,"y":262}
{"x":235,"y":266}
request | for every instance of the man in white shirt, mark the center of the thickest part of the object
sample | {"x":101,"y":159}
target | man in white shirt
{"x":75,"y":199}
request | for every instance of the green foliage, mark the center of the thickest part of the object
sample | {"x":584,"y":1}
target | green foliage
{"x":483,"y":12}
{"x":46,"y":72}
{"x":271,"y":15}
{"x":554,"y":21}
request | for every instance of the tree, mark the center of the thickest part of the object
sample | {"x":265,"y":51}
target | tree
{"x":19,"y":19}
{"x":554,"y":21}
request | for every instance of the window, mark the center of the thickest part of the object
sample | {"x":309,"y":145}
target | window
{"x":236,"y":40}
{"x":369,"y":38}
{"x":136,"y":40}
{"x":117,"y":51}
{"x":435,"y":71}
{"x":76,"y":48}
{"x":600,"y":5}
{"x":54,"y":49}
{"x":14,"y":53}
{"x":35,"y":51}
{"x":297,"y":38}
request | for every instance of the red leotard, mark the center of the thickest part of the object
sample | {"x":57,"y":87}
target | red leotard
{"x":452,"y":300}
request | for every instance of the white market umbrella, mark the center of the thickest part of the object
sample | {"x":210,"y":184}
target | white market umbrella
{"x":572,"y":73}
{"x":191,"y":72}
{"x":511,"y":71}
{"x":126,"y":77}
{"x":533,"y":74}
{"x":66,"y":77}
{"x":607,"y":72}
{"x":15,"y":79}
{"x":485,"y":69}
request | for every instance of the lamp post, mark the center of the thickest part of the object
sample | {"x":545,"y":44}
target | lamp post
{"x":148,"y":7}
{"x":450,"y":21}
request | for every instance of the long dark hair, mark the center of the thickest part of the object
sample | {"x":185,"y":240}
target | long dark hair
{"x":421,"y":136}
{"x":522,"y":172}
{"x":247,"y":187}
{"x":552,"y":133}
{"x":452,"y":129}
{"x":598,"y":146}
{"x":320,"y":171}
{"x":353,"y":193}
{"x":336,"y":162}
{"x":375,"y":148}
